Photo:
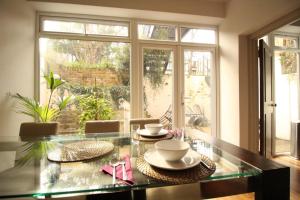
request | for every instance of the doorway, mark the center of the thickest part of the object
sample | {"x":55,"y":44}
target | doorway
{"x":286,"y":65}
{"x":282,"y":109}
{"x":179,"y":86}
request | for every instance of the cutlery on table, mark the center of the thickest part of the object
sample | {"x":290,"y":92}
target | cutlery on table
{"x":124,"y":174}
{"x":114,"y":163}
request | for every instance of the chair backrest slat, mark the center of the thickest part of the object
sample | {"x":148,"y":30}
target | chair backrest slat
{"x":102,"y":126}
{"x":33,"y":129}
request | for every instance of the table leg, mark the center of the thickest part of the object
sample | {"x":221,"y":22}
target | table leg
{"x":139,"y":195}
{"x":126,"y":195}
{"x":273,"y":185}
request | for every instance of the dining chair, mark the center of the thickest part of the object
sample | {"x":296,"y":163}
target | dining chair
{"x":143,"y":121}
{"x":31,"y":130}
{"x":106,"y":126}
{"x":102,"y":126}
{"x":34,"y":129}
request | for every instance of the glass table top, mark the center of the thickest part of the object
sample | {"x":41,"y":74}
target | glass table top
{"x":25,"y":170}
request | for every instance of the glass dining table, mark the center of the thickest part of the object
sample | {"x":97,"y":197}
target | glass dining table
{"x":25,"y":170}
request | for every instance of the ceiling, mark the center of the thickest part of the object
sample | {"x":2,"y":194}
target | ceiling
{"x":45,"y":6}
{"x":225,"y":1}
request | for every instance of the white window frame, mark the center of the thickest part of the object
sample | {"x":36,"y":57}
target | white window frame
{"x":136,"y":91}
{"x":281,"y":34}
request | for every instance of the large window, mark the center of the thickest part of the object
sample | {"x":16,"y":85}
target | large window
{"x":106,"y":80}
{"x":96,"y":74}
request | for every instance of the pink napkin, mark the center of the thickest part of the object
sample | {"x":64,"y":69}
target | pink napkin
{"x":177,"y":133}
{"x":108,"y":169}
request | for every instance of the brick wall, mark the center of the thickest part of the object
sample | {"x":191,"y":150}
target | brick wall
{"x":88,"y":76}
{"x":69,"y":119}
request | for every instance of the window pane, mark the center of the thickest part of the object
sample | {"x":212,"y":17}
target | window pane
{"x":197,"y":89}
{"x":286,"y":42}
{"x":63,"y":26}
{"x":97,"y":75}
{"x":156,"y":32}
{"x":195,"y":35}
{"x":158,"y":85}
{"x":108,"y":28}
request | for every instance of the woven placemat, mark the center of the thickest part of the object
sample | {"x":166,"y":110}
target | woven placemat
{"x":179,"y":176}
{"x":152,"y":139}
{"x":80,"y":151}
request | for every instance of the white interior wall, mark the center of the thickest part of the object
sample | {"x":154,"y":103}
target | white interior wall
{"x":243,"y":17}
{"x":17,"y":32}
{"x":193,"y":7}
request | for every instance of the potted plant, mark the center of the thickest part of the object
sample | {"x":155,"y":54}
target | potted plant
{"x":43,"y":113}
{"x":43,"y":116}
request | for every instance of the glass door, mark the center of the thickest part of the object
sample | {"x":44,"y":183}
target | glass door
{"x":287,"y":96}
{"x":157,"y":83}
{"x":199,"y":90}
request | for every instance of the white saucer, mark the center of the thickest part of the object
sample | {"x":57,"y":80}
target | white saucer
{"x":191,"y":159}
{"x":146,"y":133}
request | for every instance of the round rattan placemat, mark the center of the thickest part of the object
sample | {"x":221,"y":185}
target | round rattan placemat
{"x":80,"y":151}
{"x":152,"y":139}
{"x":177,"y":177}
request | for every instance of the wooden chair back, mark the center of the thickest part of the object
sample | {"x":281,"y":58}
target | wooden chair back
{"x":34,"y":129}
{"x":102,"y":126}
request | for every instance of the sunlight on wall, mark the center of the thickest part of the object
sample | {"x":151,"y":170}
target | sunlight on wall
{"x":286,"y":98}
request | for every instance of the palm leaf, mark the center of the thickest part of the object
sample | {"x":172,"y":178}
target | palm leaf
{"x":32,"y":108}
{"x":34,"y":151}
{"x":64,"y":102}
{"x":49,"y":79}
{"x":47,"y":115}
{"x":53,"y":82}
{"x":57,"y":83}
{"x":53,"y":114}
{"x":28,"y":107}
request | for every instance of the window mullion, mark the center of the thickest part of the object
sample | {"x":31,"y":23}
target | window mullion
{"x":135,"y":74}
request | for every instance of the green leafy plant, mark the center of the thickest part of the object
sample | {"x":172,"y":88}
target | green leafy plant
{"x":94,"y":108}
{"x":288,"y":62}
{"x":34,"y":151}
{"x":155,"y":66}
{"x":43,"y":113}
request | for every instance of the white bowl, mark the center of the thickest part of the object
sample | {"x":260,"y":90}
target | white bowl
{"x":153,"y":128}
{"x":172,"y":150}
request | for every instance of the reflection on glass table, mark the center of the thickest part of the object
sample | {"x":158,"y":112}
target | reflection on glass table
{"x":36,"y":176}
